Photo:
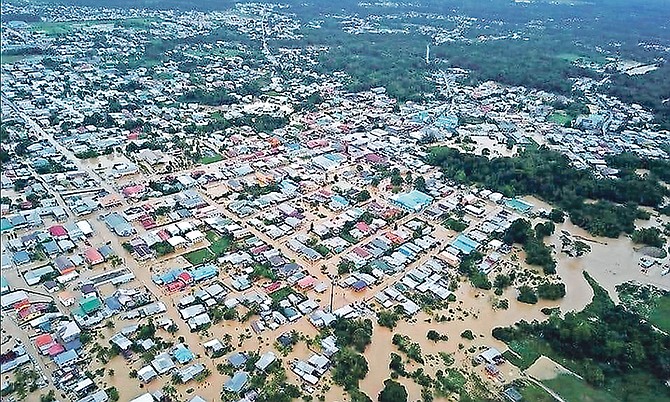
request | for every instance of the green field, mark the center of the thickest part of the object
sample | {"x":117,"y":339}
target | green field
{"x":52,"y":28}
{"x":137,"y":22}
{"x":535,"y":393}
{"x":559,"y":118}
{"x":218,"y":244}
{"x":199,"y":256}
{"x":206,"y":160}
{"x":572,"y":389}
{"x":8,"y":59}
{"x":659,"y":316}
{"x":529,"y":350}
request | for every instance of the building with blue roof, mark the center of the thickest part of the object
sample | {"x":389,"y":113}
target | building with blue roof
{"x":21,"y":257}
{"x":204,"y":272}
{"x":237,"y":382}
{"x":182,"y":354}
{"x":413,"y":201}
{"x":5,"y":224}
{"x":66,"y":358}
{"x":465,"y":244}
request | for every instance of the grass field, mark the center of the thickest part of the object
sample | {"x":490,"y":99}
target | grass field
{"x":535,"y":393}
{"x":199,"y":256}
{"x":529,"y":350}
{"x":659,"y":316}
{"x":138,"y":22}
{"x":559,"y":118}
{"x":8,"y":59}
{"x":218,"y":244}
{"x":52,"y":28}
{"x":281,"y":294}
{"x":572,"y":389}
{"x":205,"y":160}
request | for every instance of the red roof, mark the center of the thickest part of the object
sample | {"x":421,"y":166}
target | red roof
{"x":133,"y":190}
{"x":57,"y":231}
{"x":361,"y":253}
{"x":363,"y":227}
{"x":43,"y":340}
{"x":274,"y":286}
{"x":185,"y":277}
{"x":56,"y":349}
{"x":93,"y":256}
{"x":174,"y":286}
{"x":306,"y":282}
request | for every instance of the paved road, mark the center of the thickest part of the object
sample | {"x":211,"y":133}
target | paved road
{"x":31,"y":123}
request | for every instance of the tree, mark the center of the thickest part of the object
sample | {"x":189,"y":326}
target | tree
{"x":393,"y":392}
{"x":502,"y":281}
{"x":113,"y":394}
{"x":349,"y":368}
{"x":420,"y":183}
{"x":551,"y":291}
{"x":543,"y":230}
{"x":467,"y":334}
{"x":649,"y":236}
{"x":527,"y":295}
{"x":557,"y":216}
{"x":363,"y":196}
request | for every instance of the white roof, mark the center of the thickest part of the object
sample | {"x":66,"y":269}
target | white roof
{"x":143,"y":398}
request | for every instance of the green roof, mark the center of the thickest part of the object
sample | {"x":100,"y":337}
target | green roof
{"x":90,"y":304}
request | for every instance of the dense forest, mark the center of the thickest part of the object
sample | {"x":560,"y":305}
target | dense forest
{"x":550,"y":36}
{"x":604,"y":207}
{"x":608,"y":345}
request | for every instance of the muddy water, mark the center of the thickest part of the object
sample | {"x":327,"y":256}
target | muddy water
{"x":610,"y":262}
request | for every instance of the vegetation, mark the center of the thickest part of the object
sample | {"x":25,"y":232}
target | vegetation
{"x":436,"y":336}
{"x":389,"y":318}
{"x":349,"y":368}
{"x":551,"y":291}
{"x":610,"y":346}
{"x":393,"y":392}
{"x":353,"y":333}
{"x":200,"y":256}
{"x":537,"y":253}
{"x":648,"y":301}
{"x":527,"y":295}
{"x":649,"y":236}
{"x":548,"y":175}
{"x":411,"y":349}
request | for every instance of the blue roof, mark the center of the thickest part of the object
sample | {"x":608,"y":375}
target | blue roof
{"x":414,"y":200}
{"x":359,"y":285}
{"x":339,"y":199}
{"x":237,"y":382}
{"x":519,"y":205}
{"x":74,"y":344}
{"x":182,"y":354}
{"x":334,"y":157}
{"x":168,"y":277}
{"x":65,"y":357}
{"x":113,"y":303}
{"x":204,"y":272}
{"x":465,"y":244}
{"x":21,"y":257}
{"x":5,"y":224}
{"x":237,"y":359}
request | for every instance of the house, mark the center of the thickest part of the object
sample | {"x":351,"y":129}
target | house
{"x":146,"y":374}
{"x":265,"y":361}
{"x":236,"y":382}
{"x":93,"y":256}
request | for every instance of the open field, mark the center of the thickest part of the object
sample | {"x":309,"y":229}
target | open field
{"x":572,"y":389}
